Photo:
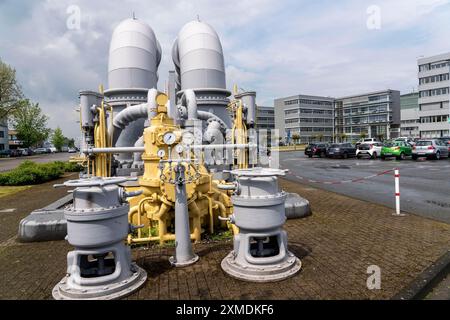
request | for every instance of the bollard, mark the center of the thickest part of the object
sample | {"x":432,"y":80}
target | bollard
{"x":397,"y":194}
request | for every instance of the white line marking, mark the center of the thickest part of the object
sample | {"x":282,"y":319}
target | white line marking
{"x":7,"y":210}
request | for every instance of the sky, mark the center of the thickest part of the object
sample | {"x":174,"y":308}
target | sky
{"x":274,"y":47}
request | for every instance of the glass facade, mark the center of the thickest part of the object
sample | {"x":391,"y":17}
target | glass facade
{"x":370,"y":115}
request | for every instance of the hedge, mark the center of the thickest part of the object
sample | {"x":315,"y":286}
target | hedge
{"x":29,"y":172}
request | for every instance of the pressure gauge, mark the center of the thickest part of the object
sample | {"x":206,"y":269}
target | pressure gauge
{"x":169,"y":138}
{"x":188,"y":138}
{"x":161,"y":153}
{"x":179,"y":148}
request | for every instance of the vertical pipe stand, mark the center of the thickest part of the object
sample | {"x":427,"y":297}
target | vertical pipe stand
{"x":184,"y":255}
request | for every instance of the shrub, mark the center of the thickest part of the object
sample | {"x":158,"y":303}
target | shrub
{"x":29,"y":172}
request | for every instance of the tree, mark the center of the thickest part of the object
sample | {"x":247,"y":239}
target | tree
{"x":58,"y":139}
{"x":296,"y":138}
{"x":320,"y":136}
{"x":380,"y":136}
{"x":70,"y":142}
{"x":11,"y":96}
{"x":30,"y":124}
{"x":343,"y":137}
{"x":363,"y":135}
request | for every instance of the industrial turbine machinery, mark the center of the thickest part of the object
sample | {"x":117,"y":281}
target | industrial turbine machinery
{"x":169,"y":166}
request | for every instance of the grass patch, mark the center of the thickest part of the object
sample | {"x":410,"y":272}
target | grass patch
{"x":29,"y":172}
{"x":6,"y":191}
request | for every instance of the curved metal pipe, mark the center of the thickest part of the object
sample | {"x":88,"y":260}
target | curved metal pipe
{"x":204,"y":115}
{"x":137,"y":155}
{"x":213,"y":132}
{"x":189,"y":100}
{"x":132,"y":113}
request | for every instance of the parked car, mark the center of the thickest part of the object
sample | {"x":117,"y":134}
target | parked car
{"x":26,"y":151}
{"x":366,"y":140}
{"x":316,"y":149}
{"x":432,"y":148}
{"x":72,"y":150}
{"x":5,"y":153}
{"x":398,"y":149}
{"x":446,"y":140}
{"x":15,"y":153}
{"x":408,"y":140}
{"x":343,"y":150}
{"x":371,"y":149}
{"x":40,"y":150}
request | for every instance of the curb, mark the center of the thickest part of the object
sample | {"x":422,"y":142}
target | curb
{"x":424,"y":283}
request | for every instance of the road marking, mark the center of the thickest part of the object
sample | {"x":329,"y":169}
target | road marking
{"x":7,"y":210}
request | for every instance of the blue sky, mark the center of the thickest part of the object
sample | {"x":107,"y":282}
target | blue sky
{"x":276,"y":48}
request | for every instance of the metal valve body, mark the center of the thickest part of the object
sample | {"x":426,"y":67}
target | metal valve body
{"x":260,"y":251}
{"x":100,"y":266}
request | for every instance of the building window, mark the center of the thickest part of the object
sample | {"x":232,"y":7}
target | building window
{"x":2,"y":146}
{"x":290,"y":102}
{"x":433,"y":92}
{"x":2,"y":134}
{"x":378,"y":98}
{"x":432,"y":119}
{"x":290,"y":112}
{"x":436,"y":78}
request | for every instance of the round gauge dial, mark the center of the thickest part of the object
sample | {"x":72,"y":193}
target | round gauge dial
{"x":161,"y":153}
{"x":179,"y":148}
{"x":188,"y":138}
{"x":169,"y":138}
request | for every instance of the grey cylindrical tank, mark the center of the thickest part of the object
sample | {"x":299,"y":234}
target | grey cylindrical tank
{"x":248,"y":100}
{"x":87,"y":100}
{"x":200,"y":55}
{"x":199,"y":63}
{"x":134,"y":57}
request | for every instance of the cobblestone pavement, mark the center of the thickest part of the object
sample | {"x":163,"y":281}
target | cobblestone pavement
{"x":336,"y":245}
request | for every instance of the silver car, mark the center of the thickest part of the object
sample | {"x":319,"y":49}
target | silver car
{"x":432,"y":148}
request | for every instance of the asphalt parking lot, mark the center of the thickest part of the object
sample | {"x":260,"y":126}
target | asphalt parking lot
{"x":10,"y":163}
{"x":424,"y":184}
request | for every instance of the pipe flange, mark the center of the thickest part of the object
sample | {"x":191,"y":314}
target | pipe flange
{"x":95,"y":182}
{"x":111,"y":291}
{"x":261,"y":273}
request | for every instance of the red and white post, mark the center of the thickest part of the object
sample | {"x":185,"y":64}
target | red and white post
{"x":397,"y":193}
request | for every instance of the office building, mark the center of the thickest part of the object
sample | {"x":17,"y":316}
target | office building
{"x":265,"y":117}
{"x":434,"y":96}
{"x":314,"y":118}
{"x":4,"y":138}
{"x":14,"y":142}
{"x":409,"y":115}
{"x":372,"y":115}
{"x":309,"y":117}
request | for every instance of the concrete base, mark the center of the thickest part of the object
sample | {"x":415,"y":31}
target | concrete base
{"x":174,"y":263}
{"x":45,"y":224}
{"x":399,"y":215}
{"x":296,"y":206}
{"x":261,"y":273}
{"x":109,"y":292}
